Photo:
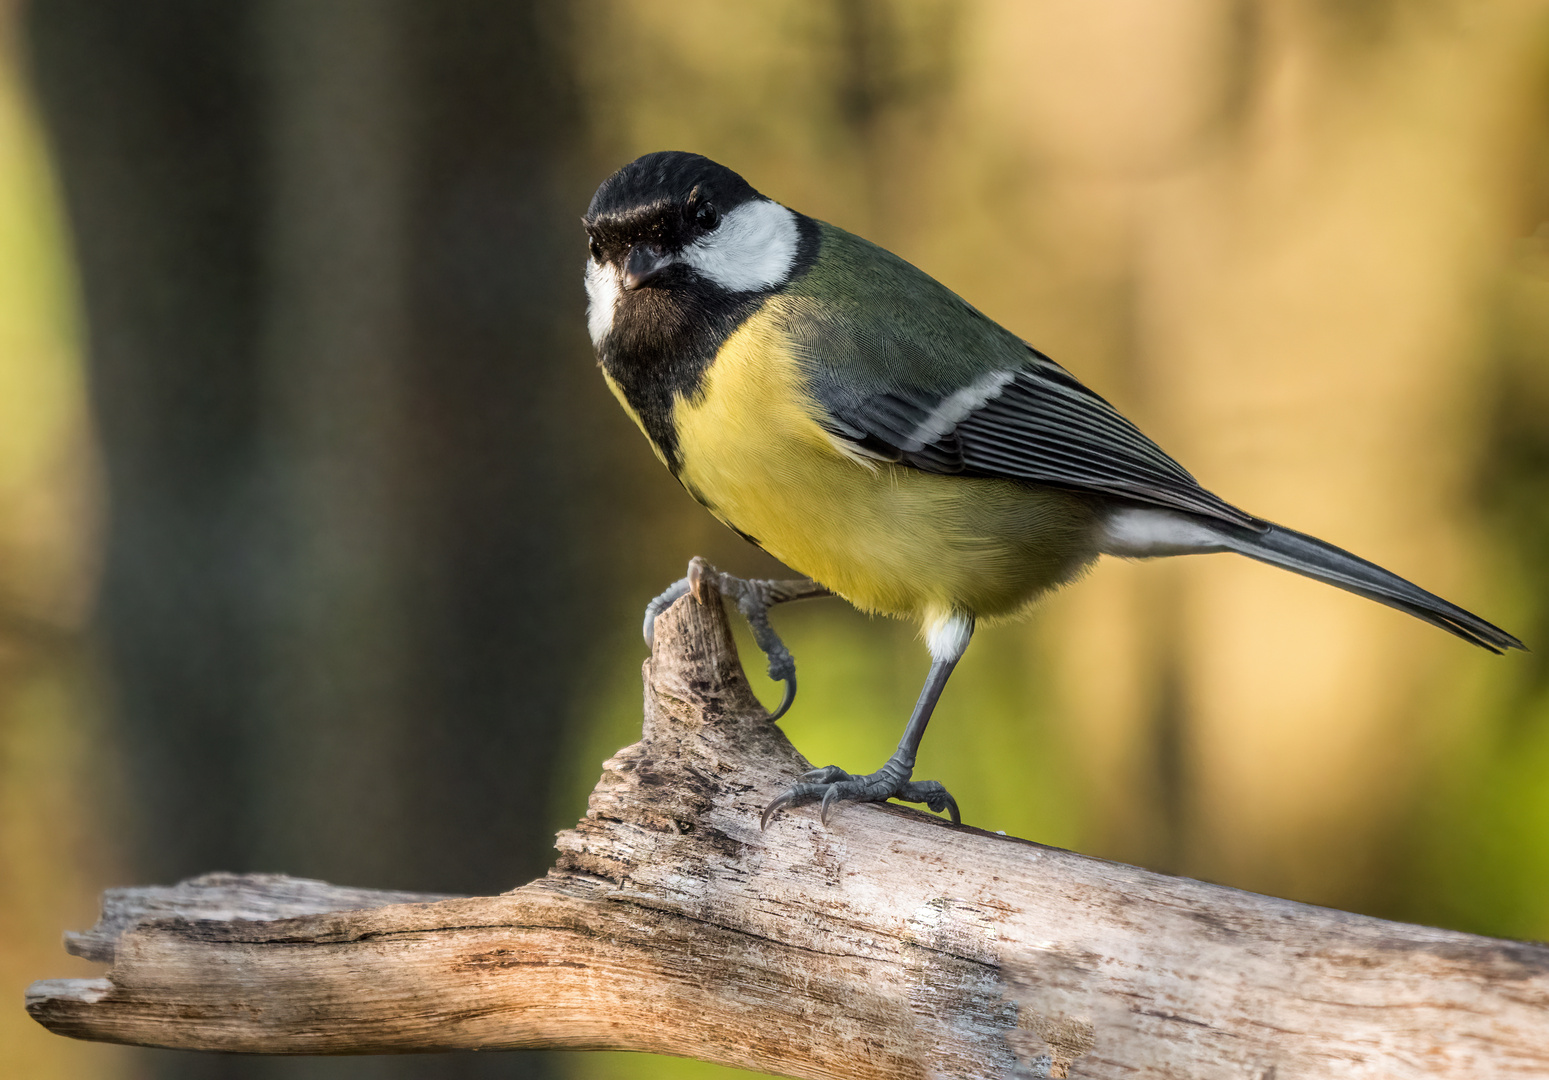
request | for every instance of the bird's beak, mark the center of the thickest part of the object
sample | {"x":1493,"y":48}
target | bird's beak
{"x":645,"y":262}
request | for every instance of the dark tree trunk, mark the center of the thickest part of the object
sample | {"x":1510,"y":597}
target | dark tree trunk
{"x":153,"y":114}
{"x":331,"y":277}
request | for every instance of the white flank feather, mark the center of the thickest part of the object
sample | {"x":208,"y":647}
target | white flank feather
{"x":948,"y":638}
{"x":1140,"y":533}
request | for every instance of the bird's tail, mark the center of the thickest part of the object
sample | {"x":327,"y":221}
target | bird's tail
{"x":1308,"y":555}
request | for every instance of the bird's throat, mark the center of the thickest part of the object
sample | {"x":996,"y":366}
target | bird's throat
{"x":660,"y":344}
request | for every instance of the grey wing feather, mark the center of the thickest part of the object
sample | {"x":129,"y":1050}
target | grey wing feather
{"x":1036,"y":423}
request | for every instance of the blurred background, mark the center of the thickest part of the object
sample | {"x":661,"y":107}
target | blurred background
{"x":323,"y":547}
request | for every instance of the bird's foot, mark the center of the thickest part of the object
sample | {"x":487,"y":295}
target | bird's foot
{"x":833,"y":785}
{"x":753,"y":597}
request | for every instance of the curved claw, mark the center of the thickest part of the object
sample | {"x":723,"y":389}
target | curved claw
{"x":949,"y":804}
{"x":832,"y":786}
{"x":933,"y":795}
{"x":787,"y":701}
{"x":753,"y":598}
{"x":669,"y":596}
{"x":781,"y":801}
{"x":830,"y":800}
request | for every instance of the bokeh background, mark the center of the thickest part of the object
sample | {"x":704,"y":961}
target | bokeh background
{"x":323,"y":547}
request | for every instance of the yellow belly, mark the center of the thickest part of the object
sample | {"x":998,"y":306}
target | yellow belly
{"x":887,"y":538}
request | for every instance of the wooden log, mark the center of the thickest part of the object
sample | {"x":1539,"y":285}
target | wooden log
{"x":888,"y":945}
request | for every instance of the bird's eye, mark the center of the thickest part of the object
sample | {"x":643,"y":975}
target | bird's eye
{"x":595,"y":248}
{"x":707,"y":216}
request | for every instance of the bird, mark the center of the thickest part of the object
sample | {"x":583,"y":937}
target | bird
{"x":855,"y":418}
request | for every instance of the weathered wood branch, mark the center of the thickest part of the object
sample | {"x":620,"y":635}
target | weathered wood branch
{"x":890,"y":945}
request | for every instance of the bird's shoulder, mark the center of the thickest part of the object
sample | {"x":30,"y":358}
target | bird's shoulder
{"x":904,"y":370}
{"x":874,"y":319}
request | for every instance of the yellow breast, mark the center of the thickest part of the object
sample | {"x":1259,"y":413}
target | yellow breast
{"x":888,"y":538}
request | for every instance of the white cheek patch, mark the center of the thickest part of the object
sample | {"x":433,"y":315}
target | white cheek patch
{"x":602,"y":296}
{"x":754,"y":248}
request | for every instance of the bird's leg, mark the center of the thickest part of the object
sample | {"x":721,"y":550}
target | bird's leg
{"x":948,"y":640}
{"x":753,"y":597}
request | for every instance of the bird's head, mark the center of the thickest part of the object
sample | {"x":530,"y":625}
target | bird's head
{"x":672,"y":222}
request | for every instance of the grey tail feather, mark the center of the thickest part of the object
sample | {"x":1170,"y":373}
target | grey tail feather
{"x":1308,"y":555}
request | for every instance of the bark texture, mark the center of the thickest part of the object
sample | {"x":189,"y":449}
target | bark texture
{"x":889,"y":945}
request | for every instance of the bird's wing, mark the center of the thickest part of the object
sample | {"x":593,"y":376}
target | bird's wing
{"x":1032,"y":422}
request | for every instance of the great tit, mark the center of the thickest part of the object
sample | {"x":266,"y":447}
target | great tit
{"x":868,"y":427}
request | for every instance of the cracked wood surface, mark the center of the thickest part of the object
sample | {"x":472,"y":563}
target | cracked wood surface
{"x":890,"y":945}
